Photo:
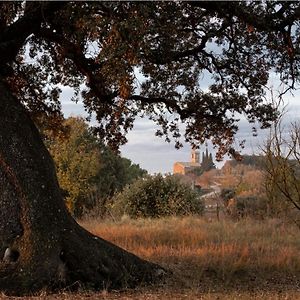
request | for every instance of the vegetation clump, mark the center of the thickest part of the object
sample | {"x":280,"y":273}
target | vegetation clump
{"x":88,"y":172}
{"x":156,"y":196}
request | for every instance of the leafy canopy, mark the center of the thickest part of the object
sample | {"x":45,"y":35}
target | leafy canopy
{"x":99,"y":48}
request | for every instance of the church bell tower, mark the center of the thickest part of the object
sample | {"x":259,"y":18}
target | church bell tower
{"x":195,"y":157}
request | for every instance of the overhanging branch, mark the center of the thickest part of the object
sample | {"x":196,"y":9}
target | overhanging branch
{"x":13,"y":37}
{"x":86,"y":66}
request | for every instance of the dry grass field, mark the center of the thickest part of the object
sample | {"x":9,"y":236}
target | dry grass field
{"x":208,"y":260}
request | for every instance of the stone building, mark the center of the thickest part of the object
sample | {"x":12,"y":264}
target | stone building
{"x":194,"y":166}
{"x":184,"y":168}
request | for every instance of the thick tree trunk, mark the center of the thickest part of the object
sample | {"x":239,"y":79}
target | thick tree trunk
{"x":41,"y":246}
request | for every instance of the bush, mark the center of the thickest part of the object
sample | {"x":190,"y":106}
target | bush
{"x":156,"y":196}
{"x":241,"y":205}
{"x":247,"y":206}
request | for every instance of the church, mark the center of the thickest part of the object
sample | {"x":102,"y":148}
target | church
{"x":194,"y":166}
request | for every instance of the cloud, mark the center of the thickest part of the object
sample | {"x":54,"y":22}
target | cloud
{"x":155,"y":155}
{"x":73,"y":109}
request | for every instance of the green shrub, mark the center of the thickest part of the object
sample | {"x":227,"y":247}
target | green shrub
{"x":156,"y":196}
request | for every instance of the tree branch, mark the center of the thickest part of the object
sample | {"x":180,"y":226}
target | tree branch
{"x":170,"y":104}
{"x":13,"y":37}
{"x":85,"y":66}
{"x":262,"y":22}
{"x":175,"y":56}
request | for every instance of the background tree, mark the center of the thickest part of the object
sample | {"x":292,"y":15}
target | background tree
{"x":116,"y":172}
{"x":88,"y":172}
{"x":282,"y":171}
{"x":77,"y":161}
{"x":97,"y":47}
{"x":114,"y":175}
{"x":207,"y":162}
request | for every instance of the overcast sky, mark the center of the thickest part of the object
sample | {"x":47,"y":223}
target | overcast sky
{"x":156,"y":156}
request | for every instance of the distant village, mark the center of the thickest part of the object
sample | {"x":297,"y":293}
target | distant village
{"x":190,"y":171}
{"x":194,"y":166}
{"x":195,"y":172}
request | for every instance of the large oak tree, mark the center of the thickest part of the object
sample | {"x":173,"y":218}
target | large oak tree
{"x":101,"y":49}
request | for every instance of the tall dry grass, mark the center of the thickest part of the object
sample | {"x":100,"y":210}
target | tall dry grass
{"x":213,"y":256}
{"x":227,"y":246}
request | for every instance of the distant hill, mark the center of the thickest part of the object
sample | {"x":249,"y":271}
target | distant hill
{"x":257,"y":161}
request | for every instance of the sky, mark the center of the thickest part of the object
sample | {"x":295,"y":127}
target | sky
{"x":156,"y":156}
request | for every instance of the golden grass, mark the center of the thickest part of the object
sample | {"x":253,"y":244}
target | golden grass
{"x":213,"y":259}
{"x":228,"y":246}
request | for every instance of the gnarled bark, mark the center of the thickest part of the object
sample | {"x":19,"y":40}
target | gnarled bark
{"x":41,"y":245}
